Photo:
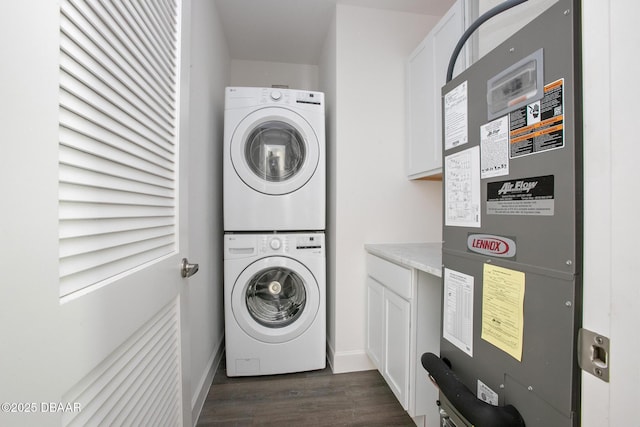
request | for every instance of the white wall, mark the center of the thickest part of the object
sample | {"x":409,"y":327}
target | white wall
{"x":327,"y":78}
{"x":370,"y":199}
{"x":209,"y":76}
{"x":267,"y":74}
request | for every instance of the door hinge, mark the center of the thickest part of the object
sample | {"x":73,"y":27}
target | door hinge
{"x":593,"y":354}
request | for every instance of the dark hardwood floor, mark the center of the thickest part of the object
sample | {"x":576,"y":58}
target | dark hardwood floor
{"x":316,"y":398}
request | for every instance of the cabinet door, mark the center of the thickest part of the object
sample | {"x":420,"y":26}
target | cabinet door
{"x":375,"y":322}
{"x":397,"y":319}
{"x":445,"y":37}
{"x":421,"y":152}
{"x":425,"y":75}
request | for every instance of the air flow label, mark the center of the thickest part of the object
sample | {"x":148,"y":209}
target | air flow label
{"x":523,"y":196}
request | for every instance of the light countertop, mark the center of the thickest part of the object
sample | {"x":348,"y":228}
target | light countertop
{"x":426,"y":257}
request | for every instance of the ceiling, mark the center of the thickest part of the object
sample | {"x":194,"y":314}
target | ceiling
{"x":293,"y":31}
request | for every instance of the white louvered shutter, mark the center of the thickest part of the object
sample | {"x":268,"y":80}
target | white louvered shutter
{"x":118,"y":147}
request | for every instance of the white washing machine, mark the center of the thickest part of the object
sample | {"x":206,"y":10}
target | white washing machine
{"x":274,"y":160}
{"x":275,"y":303}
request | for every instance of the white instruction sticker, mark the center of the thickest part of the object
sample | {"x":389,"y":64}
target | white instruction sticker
{"x":457,"y":317}
{"x":486,"y":394}
{"x":456,"y":116}
{"x":462,"y":188}
{"x":494,"y":152}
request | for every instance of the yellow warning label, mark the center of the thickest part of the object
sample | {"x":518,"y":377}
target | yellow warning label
{"x":503,"y":308}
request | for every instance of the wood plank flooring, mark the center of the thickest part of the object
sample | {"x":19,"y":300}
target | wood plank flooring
{"x":310,"y":399}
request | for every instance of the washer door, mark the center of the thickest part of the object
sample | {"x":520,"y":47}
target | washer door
{"x":275,"y":299}
{"x":274,"y":151}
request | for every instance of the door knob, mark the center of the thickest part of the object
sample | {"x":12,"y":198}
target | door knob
{"x":188,"y":270}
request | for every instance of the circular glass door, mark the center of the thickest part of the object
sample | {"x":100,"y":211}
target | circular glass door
{"x":275,"y":299}
{"x":274,"y":151}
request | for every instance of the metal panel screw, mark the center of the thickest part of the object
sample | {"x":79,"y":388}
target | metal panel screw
{"x":566,"y":12}
{"x":599,"y":340}
{"x":568,"y":304}
{"x":599,"y":372}
{"x":530,"y":388}
{"x":569,"y":262}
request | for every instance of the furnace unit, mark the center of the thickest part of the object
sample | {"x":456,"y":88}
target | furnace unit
{"x":512,"y":232}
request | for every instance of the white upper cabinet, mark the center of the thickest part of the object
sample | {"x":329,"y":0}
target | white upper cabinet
{"x":426,"y":71}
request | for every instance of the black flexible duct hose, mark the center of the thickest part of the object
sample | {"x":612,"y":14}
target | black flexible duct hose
{"x":481,"y":20}
{"x":476,"y":411}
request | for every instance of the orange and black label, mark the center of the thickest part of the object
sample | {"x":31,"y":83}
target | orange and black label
{"x":539,"y":126}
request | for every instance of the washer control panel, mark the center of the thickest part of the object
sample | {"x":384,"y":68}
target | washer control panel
{"x":309,"y":242}
{"x":243,"y":245}
{"x":275,"y":243}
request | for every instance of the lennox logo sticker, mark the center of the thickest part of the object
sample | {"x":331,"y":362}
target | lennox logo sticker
{"x":488,"y":244}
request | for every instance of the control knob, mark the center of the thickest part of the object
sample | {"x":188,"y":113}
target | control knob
{"x":275,"y":244}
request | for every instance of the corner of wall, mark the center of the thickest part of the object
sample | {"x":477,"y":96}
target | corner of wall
{"x":209,"y":75}
{"x":203,"y":386}
{"x":328,"y":84}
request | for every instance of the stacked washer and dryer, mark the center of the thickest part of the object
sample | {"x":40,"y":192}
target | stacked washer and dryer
{"x":274,"y":221}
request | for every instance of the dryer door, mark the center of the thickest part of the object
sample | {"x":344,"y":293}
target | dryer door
{"x":274,"y":151}
{"x":275,"y":299}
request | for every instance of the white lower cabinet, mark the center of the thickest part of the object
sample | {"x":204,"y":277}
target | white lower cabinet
{"x":375,"y":321}
{"x":395,"y":365}
{"x":403,"y":322}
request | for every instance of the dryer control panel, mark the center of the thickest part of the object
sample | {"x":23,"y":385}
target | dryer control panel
{"x":242,"y":97}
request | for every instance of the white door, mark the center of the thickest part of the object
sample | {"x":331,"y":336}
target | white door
{"x":92,"y":314}
{"x":611,"y":153}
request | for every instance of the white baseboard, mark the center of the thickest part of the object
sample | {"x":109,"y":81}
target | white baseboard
{"x":197,"y":401}
{"x":420,"y":421}
{"x":348,"y":361}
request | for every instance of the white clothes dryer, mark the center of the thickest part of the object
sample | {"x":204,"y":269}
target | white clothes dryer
{"x":274,"y":166}
{"x":275,"y":303}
